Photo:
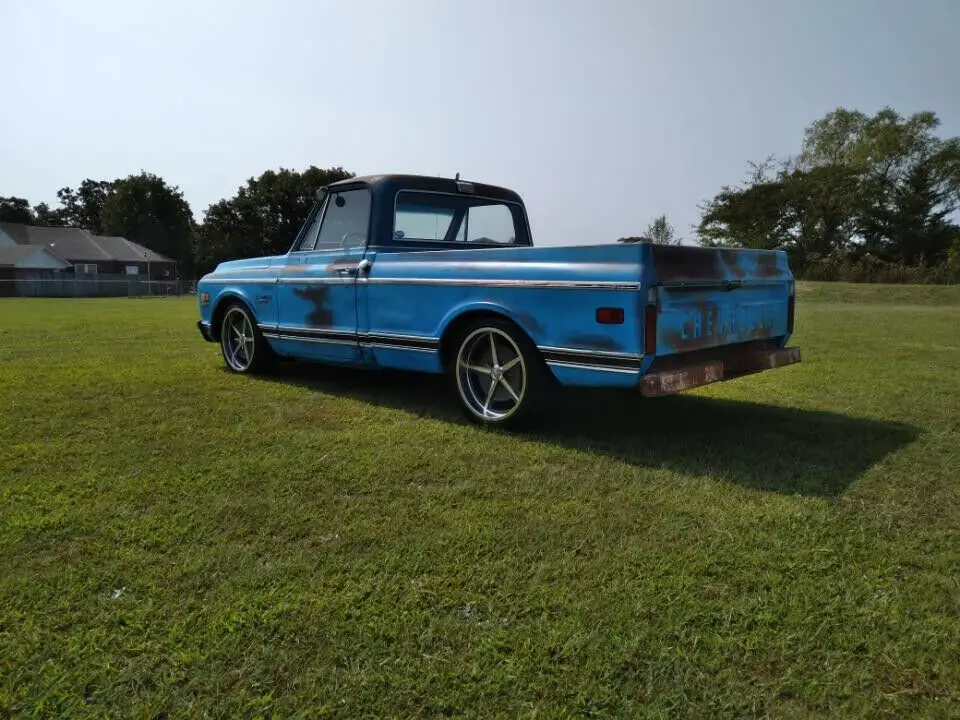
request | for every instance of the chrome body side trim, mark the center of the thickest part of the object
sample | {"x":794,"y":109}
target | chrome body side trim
{"x":602,"y":368}
{"x":536,"y":284}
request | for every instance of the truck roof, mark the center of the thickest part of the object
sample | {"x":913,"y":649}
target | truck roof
{"x":391,"y":183}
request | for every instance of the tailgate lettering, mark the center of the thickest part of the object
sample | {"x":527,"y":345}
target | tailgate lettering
{"x":720,"y":321}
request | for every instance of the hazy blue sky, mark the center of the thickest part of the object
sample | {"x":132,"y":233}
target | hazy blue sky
{"x":602,"y":114}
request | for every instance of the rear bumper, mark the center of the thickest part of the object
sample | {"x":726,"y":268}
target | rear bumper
{"x":697,"y":374}
{"x":204,"y":329}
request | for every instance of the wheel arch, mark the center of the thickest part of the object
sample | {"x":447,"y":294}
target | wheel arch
{"x":459,"y":319}
{"x":225,"y":300}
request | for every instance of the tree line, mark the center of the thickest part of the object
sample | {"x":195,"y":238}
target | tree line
{"x":868,"y":197}
{"x":261,"y":218}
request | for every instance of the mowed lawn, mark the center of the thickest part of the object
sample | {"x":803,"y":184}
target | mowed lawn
{"x":176,"y":541}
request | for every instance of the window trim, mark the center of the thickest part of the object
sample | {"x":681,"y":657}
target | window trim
{"x":457,"y":243}
{"x":322,"y":212}
{"x":313,"y":217}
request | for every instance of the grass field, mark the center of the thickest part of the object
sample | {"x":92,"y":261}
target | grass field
{"x":176,"y":541}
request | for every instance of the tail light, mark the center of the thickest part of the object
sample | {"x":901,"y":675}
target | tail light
{"x":610,"y":316}
{"x":791,"y":297}
{"x":650,"y":325}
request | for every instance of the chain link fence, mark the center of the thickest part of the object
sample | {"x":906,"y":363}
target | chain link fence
{"x":90,"y":286}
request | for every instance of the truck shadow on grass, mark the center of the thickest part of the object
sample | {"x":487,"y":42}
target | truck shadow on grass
{"x":779,"y":449}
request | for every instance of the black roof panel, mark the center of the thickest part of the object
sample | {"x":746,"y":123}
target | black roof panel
{"x":392,"y":183}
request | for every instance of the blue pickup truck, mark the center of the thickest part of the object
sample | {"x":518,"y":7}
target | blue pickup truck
{"x":439,"y":275}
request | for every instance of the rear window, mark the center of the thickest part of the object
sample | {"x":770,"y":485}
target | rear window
{"x":435,"y":217}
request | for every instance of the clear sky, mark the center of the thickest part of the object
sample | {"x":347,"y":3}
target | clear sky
{"x":601,"y":114}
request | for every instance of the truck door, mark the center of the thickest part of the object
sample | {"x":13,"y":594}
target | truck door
{"x":316,"y":288}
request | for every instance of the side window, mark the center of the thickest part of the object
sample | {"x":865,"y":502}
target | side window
{"x":310,"y":236}
{"x":346,"y":220}
{"x":490,"y":224}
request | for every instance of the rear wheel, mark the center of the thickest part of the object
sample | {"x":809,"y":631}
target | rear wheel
{"x":498,"y":374}
{"x":243,"y":346}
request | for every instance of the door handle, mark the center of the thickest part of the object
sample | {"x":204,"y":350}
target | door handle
{"x":361,"y":267}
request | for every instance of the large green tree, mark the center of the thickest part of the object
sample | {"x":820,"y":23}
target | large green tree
{"x":883,"y":184}
{"x":16,"y":210}
{"x":44,"y":215}
{"x":145,"y":209}
{"x":263,"y":217}
{"x":83,"y":207}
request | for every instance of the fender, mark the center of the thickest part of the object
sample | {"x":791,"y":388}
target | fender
{"x":232,"y":292}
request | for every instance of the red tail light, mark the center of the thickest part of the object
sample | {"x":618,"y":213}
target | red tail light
{"x":610,"y":316}
{"x":650,"y":330}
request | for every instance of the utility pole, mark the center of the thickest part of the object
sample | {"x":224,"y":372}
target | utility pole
{"x":146,"y":256}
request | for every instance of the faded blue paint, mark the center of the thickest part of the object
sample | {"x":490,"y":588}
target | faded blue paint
{"x":398,"y":310}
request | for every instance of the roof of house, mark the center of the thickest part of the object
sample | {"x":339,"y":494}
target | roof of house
{"x":75,"y":244}
{"x":10,"y":255}
{"x":69,"y":243}
{"x":124,"y":250}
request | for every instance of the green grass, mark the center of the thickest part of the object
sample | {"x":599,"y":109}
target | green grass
{"x":176,"y":541}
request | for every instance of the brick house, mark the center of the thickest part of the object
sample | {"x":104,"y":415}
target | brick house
{"x":90,"y":254}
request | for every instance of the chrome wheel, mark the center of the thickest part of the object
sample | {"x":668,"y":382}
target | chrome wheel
{"x":491,"y":374}
{"x":238,"y":340}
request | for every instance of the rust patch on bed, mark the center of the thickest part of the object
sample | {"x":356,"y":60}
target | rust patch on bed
{"x":767,"y":265}
{"x":676,"y":263}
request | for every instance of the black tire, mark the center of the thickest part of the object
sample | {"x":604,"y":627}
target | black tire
{"x":519,"y":398}
{"x":259,"y":356}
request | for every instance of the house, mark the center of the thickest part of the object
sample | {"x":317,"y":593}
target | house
{"x":26,"y":267}
{"x":90,"y":254}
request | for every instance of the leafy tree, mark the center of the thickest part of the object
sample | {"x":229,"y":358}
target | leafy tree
{"x":263,"y":217}
{"x":15,"y":210}
{"x":755,"y":216}
{"x":883,"y":184}
{"x":145,"y":209}
{"x":45,"y":216}
{"x":661,"y":232}
{"x":83,"y":207}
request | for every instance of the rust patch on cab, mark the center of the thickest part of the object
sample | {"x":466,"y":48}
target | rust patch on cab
{"x":320,"y":315}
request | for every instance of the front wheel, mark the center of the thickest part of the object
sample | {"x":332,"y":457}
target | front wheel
{"x":244,"y":348}
{"x":499,"y":376}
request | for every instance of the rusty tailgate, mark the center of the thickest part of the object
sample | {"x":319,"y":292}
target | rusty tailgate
{"x":711,"y":297}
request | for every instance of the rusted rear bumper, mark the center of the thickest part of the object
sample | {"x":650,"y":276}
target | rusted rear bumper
{"x":696,"y":374}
